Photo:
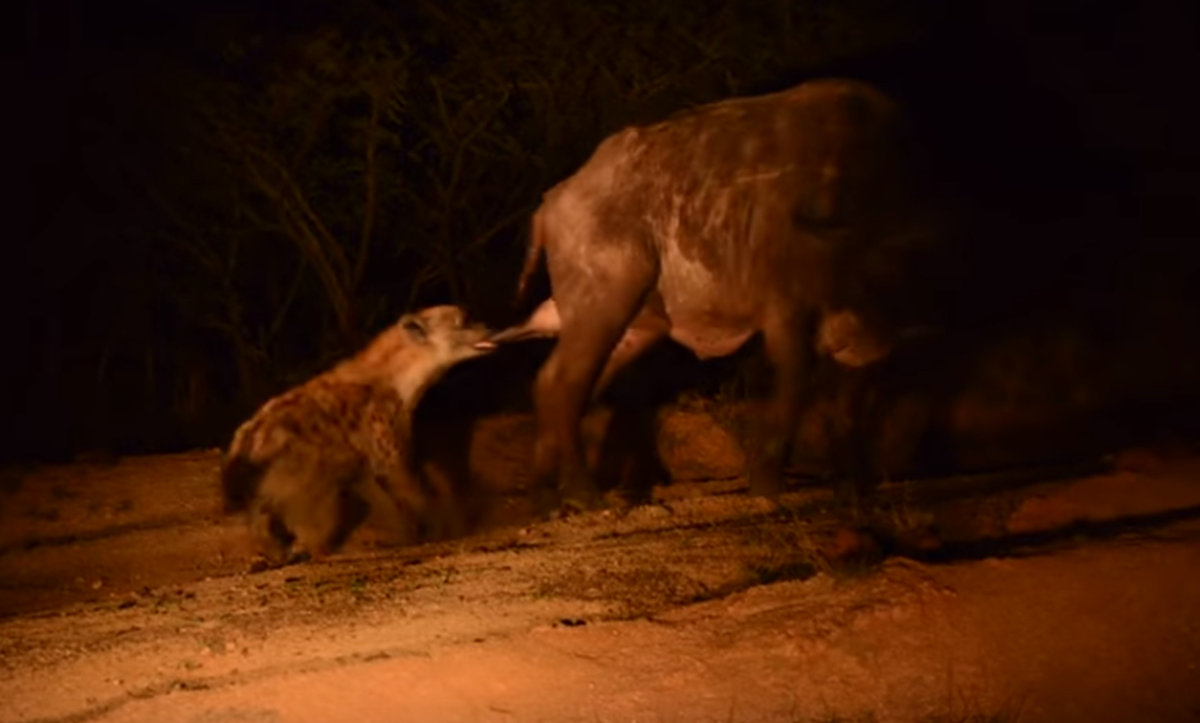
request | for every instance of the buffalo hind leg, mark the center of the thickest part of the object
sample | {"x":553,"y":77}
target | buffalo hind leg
{"x":854,"y":442}
{"x":635,"y":343}
{"x":629,"y":453}
{"x":564,"y":389}
{"x":788,"y":351}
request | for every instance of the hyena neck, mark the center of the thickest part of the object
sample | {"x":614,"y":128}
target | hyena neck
{"x":409,"y":381}
{"x":413,"y":381}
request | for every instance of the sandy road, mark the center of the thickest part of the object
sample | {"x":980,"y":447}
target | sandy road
{"x":711,"y":608}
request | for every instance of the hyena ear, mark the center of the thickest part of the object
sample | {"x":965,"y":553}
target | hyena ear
{"x":415,"y":328}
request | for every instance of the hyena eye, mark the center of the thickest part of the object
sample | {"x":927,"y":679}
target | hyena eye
{"x":415,"y":329}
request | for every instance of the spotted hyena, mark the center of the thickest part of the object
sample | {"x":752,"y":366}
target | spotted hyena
{"x":312,"y":462}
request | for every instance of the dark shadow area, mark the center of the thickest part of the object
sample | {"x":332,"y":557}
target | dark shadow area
{"x":111,"y":531}
{"x":1063,"y":291}
{"x":1028,"y":544}
{"x":629,"y":459}
{"x":446,"y":420}
{"x":164,"y":283}
{"x":934,"y":490}
{"x":501,"y":383}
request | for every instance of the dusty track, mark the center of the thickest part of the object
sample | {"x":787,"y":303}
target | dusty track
{"x":1067,"y":600}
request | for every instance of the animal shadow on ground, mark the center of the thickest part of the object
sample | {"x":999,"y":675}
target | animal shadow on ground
{"x":1043,"y":542}
{"x":629,"y":462}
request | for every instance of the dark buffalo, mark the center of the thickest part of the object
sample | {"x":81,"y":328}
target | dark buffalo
{"x":761,"y":214}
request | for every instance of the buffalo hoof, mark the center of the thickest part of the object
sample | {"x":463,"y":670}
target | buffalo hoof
{"x":853,"y":547}
{"x":442,"y":525}
{"x":764,"y":505}
{"x":625,"y":496}
{"x":551,"y":504}
{"x":301,"y":557}
{"x":580,"y":504}
{"x":261,"y":563}
{"x":545,"y":503}
{"x":579,"y":495}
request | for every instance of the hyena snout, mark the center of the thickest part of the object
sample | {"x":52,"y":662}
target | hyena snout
{"x":449,"y":329}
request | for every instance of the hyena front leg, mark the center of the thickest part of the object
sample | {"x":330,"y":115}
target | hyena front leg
{"x":446,"y":519}
{"x":403,"y":503}
{"x":398,"y":520}
{"x":327,"y":528}
{"x":323,"y":522}
{"x":269,"y":536}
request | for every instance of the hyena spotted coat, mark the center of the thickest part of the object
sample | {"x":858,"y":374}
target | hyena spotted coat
{"x":312,"y":462}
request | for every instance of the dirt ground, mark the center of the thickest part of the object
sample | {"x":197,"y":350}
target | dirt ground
{"x":1049,"y":597}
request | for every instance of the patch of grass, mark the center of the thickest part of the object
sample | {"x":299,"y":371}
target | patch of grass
{"x":358,"y":589}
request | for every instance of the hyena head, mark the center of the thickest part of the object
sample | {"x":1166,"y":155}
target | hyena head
{"x":418,"y":349}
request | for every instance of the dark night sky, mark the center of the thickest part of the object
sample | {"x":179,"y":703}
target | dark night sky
{"x":1126,"y":69}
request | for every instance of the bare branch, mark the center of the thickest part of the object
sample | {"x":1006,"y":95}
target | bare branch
{"x":306,"y":228}
{"x":281,"y":313}
{"x":482,"y":238}
{"x":370,"y":183}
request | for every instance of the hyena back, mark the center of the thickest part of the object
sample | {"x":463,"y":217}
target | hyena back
{"x":312,"y":462}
